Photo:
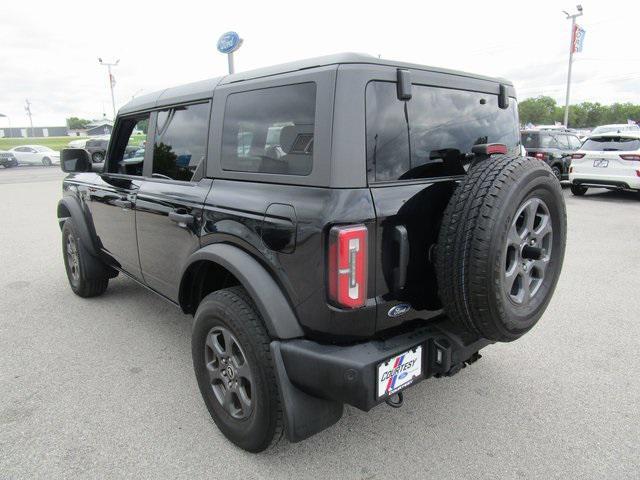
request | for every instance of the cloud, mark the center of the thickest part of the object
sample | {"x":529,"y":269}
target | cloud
{"x":49,"y":51}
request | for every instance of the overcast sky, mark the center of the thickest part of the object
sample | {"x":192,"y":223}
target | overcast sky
{"x":49,"y":50}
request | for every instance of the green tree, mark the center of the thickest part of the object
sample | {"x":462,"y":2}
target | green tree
{"x":539,"y":110}
{"x":77,"y":123}
{"x":543,"y":110}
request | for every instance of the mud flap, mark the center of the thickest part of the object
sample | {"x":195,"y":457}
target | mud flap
{"x":304,"y":414}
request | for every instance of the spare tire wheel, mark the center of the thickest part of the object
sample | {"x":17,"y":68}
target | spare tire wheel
{"x":501,"y":246}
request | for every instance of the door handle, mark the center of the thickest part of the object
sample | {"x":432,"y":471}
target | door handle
{"x":401,"y":237}
{"x":120,"y":202}
{"x":181,"y":218}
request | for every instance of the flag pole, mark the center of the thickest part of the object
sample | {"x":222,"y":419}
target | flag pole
{"x":572,"y":46}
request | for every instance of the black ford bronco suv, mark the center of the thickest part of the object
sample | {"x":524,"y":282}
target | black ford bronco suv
{"x":340,"y":228}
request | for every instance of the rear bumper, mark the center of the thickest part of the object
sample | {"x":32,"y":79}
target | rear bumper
{"x":348,"y":374}
{"x":617,"y":182}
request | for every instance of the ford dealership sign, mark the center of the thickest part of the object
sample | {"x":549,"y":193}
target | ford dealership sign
{"x":229,"y":42}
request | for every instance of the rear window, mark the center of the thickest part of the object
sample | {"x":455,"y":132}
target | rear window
{"x":611,"y":144}
{"x":270,"y":130}
{"x":432,"y":134}
{"x":538,"y":140}
{"x":615,"y":128}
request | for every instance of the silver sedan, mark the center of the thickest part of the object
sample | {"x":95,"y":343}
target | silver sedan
{"x":36,"y":155}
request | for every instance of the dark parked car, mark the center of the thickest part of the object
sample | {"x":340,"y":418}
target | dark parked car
{"x":554,"y":147}
{"x":97,"y":147}
{"x":8,"y":160}
{"x":341,"y":228}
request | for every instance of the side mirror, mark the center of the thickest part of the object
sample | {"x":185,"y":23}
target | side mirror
{"x":75,"y":160}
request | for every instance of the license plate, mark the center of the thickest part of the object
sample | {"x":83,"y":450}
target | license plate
{"x":399,"y":371}
{"x":601,"y":162}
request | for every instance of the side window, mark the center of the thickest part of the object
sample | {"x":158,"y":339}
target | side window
{"x":270,"y":130}
{"x":181,"y":141}
{"x":130,"y":142}
{"x":563,"y":141}
{"x":548,"y":141}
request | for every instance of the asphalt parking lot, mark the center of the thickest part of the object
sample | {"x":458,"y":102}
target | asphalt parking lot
{"x":104,"y":388}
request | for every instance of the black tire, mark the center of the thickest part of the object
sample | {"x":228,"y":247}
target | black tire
{"x":233,"y":311}
{"x":578,"y":190}
{"x":557,"y":171}
{"x":46,"y":161}
{"x":475,"y":254}
{"x":87,"y":275}
{"x":97,"y":157}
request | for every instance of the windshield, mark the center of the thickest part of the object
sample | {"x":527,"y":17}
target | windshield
{"x":611,"y":144}
{"x":432,"y":134}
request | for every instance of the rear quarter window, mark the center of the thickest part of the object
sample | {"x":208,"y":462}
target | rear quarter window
{"x":432,"y":134}
{"x":270,"y":130}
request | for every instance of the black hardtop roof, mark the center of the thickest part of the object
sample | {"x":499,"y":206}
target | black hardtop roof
{"x":204,"y":89}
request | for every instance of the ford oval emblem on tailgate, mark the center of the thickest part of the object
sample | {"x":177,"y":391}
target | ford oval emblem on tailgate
{"x":399,"y":309}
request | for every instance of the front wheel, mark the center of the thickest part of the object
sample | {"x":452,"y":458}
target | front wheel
{"x":46,"y":161}
{"x":234,"y":369}
{"x":97,"y":157}
{"x":86,"y":274}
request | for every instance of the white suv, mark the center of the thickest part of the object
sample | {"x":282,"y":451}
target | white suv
{"x":609,"y":160}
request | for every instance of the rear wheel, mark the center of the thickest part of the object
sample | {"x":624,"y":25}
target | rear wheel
{"x":234,"y":369}
{"x":578,"y":190}
{"x":501,"y":247}
{"x":86,"y":274}
{"x":557,"y":172}
{"x":97,"y":157}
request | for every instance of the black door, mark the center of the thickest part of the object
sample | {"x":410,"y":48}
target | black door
{"x":169,"y":202}
{"x":112,"y":205}
{"x":112,"y":199}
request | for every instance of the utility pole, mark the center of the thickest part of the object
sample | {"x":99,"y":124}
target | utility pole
{"x":27,"y":107}
{"x":112,"y":82}
{"x":571,"y":49}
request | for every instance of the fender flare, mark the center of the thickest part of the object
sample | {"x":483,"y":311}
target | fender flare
{"x":72,"y":206}
{"x":277,"y":313}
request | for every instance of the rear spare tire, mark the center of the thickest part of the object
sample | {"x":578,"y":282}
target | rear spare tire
{"x":501,"y":246}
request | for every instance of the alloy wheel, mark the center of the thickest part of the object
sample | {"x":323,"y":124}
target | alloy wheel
{"x":73,"y":259}
{"x":527,"y":251}
{"x":229,"y":373}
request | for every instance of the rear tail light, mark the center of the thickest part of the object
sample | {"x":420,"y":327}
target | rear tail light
{"x":540,"y":155}
{"x":638,"y":173}
{"x":577,"y":155}
{"x":570,"y":169}
{"x":348,"y":266}
{"x":632,"y":156}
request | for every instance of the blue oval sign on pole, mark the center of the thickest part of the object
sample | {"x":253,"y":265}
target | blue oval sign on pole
{"x":229,"y":42}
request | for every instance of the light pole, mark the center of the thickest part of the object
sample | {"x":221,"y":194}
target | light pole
{"x":571,"y":48}
{"x":27,"y":108}
{"x":112,"y":82}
